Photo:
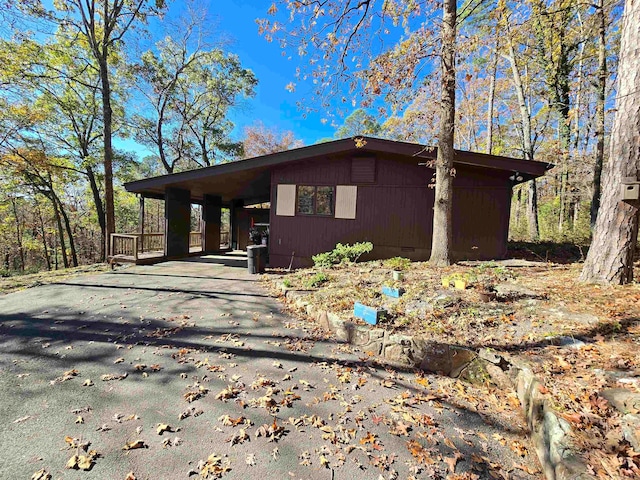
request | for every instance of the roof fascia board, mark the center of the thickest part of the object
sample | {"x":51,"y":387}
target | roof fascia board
{"x":369,"y":145}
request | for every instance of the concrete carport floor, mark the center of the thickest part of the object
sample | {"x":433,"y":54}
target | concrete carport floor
{"x":206,"y":331}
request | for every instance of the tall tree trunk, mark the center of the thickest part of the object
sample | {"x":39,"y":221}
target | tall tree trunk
{"x":518,"y":204}
{"x":107,"y":118}
{"x":442,"y":228}
{"x":97,"y":201}
{"x":67,"y":227}
{"x":576,"y":213}
{"x":492,"y":95}
{"x":63,"y":246}
{"x":527,"y":144}
{"x":602,"y":86}
{"x":610,"y":258}
{"x":532,"y":211}
{"x":44,"y":238}
{"x":18,"y":233}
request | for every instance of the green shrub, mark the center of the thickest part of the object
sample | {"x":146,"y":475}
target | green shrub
{"x":316,"y":280}
{"x":397,"y":263}
{"x":286,"y":283}
{"x":342,"y":254}
{"x":323,"y":260}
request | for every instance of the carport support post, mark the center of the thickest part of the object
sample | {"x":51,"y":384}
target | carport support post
{"x":236,"y":206}
{"x":177,"y":214}
{"x":211,"y":211}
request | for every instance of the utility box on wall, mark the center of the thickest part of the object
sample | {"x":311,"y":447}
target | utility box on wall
{"x":630,"y":189}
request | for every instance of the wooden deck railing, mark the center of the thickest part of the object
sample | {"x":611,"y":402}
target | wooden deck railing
{"x":132,"y":244}
{"x":151,"y":242}
{"x":124,"y":244}
{"x":195,"y":239}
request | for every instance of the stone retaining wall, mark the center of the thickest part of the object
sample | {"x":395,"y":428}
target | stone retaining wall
{"x":550,"y":433}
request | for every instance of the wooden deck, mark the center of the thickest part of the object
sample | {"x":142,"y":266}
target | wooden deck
{"x":156,"y":256}
{"x":148,"y":248}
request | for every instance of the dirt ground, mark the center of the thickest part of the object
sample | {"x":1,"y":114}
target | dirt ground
{"x":580,"y":339}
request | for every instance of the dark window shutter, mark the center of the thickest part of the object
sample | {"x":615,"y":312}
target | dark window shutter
{"x":363,"y":170}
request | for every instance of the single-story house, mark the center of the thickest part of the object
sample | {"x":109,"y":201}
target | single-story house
{"x":350,"y":190}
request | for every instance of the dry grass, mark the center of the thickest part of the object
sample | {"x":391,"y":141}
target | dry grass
{"x":20,"y":282}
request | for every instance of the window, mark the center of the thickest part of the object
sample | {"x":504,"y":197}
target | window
{"x":315,"y":200}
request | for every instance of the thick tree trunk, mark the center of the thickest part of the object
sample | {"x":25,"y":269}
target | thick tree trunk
{"x":107,"y":117}
{"x":532,"y":212}
{"x":442,"y":228}
{"x":97,"y":201}
{"x":610,"y":258}
{"x":602,"y":86}
{"x":63,"y":246}
{"x":18,"y":233}
{"x":44,"y":239}
{"x":67,"y":227}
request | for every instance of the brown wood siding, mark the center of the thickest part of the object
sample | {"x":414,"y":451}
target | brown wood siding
{"x":395,"y":212}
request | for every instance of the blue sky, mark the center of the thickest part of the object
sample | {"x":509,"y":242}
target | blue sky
{"x":273,"y":105}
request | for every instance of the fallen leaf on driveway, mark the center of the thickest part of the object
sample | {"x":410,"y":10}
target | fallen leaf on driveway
{"x":239,"y":437}
{"x":193,"y":395}
{"x":453,"y":461}
{"x":163,"y":427}
{"x":68,"y":375}
{"x":22,"y":419}
{"x":134,"y":445}
{"x":41,"y":474}
{"x":81,"y":462}
{"x":113,"y":376}
{"x":227,"y":393}
{"x":130,"y":476}
{"x":369,"y":438}
{"x":273,"y":432}
{"x":214,"y":467}
{"x":88,"y":383}
{"x":229,"y":421}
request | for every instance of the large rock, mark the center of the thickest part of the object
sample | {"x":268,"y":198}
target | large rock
{"x":514,"y":291}
{"x":568,"y":316}
{"x":631,"y":430}
{"x":446,"y":359}
{"x":475,"y":372}
{"x":623,"y":400}
{"x":439,"y":300}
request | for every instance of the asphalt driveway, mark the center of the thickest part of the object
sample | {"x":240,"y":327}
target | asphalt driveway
{"x":200,"y":349}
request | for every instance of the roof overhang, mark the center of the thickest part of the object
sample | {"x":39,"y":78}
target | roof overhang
{"x":250,"y":179}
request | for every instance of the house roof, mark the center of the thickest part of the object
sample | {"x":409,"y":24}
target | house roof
{"x":250,"y":179}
